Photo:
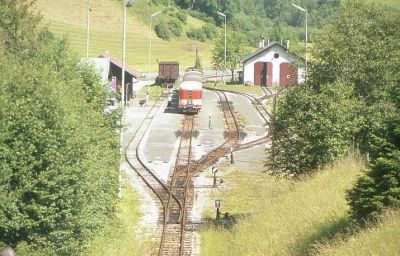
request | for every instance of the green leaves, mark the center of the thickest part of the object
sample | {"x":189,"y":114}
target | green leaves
{"x":311,"y":129}
{"x":351,"y":100}
{"x":58,"y":159}
{"x":235,"y":50}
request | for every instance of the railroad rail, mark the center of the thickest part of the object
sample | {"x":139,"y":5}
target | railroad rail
{"x":159,"y":188}
{"x":173,"y":237}
{"x":232,"y":134}
{"x":265,"y":115}
{"x":175,"y":240}
{"x":176,"y":197}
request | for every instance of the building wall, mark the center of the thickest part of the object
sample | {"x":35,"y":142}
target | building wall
{"x":268,"y":56}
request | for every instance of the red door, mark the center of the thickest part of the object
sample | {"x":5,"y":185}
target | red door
{"x":263,"y":73}
{"x":288,"y":74}
{"x":257,"y":73}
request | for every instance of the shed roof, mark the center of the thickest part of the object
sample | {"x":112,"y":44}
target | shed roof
{"x":169,"y":62}
{"x":118,"y":62}
{"x":268,"y":47}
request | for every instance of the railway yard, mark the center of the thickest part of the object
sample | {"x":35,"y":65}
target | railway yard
{"x":169,"y":156}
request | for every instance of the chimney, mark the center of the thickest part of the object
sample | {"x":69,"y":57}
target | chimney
{"x":268,"y":40}
{"x":261,"y":42}
{"x":287,"y":44}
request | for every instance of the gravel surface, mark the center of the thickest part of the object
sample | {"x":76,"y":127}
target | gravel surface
{"x":160,"y":146}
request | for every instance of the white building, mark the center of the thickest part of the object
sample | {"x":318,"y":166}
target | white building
{"x":272,"y":65}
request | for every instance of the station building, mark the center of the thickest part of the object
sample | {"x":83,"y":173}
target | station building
{"x":109,"y":68}
{"x":272,"y":65}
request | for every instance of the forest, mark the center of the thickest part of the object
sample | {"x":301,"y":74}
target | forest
{"x":275,"y":19}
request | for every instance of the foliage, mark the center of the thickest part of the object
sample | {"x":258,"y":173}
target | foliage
{"x":162,"y":30}
{"x":182,"y":16}
{"x":279,"y":216}
{"x":259,"y":13}
{"x":311,"y":129}
{"x":18,"y":25}
{"x":379,"y":187}
{"x":196,"y":34}
{"x":58,"y":151}
{"x":176,"y":13}
{"x":168,"y":27}
{"x":200,"y":16}
{"x":164,"y":2}
{"x":235,"y":50}
{"x":210,"y":30}
{"x":350,"y":98}
{"x":175,"y":26}
{"x":119,"y":236}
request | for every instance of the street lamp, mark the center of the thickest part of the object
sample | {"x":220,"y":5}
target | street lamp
{"x":126,"y":3}
{"x":87,"y":28}
{"x":148,"y":75}
{"x":223,"y":15}
{"x":305,"y":11}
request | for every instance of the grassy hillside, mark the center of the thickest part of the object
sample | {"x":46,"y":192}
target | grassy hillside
{"x":391,"y":3}
{"x":285,"y":218}
{"x":69,"y":18}
{"x":380,"y":239}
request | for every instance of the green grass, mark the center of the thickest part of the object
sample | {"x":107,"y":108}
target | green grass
{"x":118,"y":236}
{"x":284,"y":217}
{"x":69,"y":18}
{"x":256,"y":90}
{"x":391,"y":3}
{"x":379,"y":239}
{"x":154,"y":92}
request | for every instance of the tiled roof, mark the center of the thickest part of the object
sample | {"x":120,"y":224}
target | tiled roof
{"x":118,"y":62}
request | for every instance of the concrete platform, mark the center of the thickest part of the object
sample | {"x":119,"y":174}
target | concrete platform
{"x":254,"y":126}
{"x":211,"y":134}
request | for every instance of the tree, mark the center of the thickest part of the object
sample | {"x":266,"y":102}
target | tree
{"x":59,"y":152}
{"x":311,"y":129}
{"x":379,"y":187}
{"x":346,"y":98}
{"x":235,"y":50}
{"x":19,"y":24}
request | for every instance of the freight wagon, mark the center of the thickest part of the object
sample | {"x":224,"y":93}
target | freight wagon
{"x":168,"y":72}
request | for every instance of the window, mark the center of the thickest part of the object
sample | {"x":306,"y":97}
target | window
{"x":276,"y":55}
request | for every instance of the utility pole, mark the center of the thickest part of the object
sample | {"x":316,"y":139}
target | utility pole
{"x":87,"y":28}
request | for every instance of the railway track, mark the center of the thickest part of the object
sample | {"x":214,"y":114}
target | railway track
{"x":232,"y":134}
{"x":174,"y":240}
{"x":175,"y":237}
{"x":265,"y":115}
{"x":176,"y":197}
{"x":132,"y":157}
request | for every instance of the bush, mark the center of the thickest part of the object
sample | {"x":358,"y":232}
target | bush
{"x":210,"y":30}
{"x":59,"y":153}
{"x":311,"y":129}
{"x":380,"y":186}
{"x":196,"y":34}
{"x":162,"y":30}
{"x":182,"y":16}
{"x":175,"y":26}
{"x":163,"y":2}
{"x":201,"y":16}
